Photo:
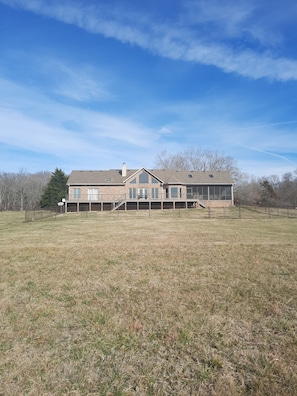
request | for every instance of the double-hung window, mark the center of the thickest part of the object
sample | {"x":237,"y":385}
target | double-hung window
{"x":155,"y":193}
{"x":132,"y":193}
{"x":76,"y":193}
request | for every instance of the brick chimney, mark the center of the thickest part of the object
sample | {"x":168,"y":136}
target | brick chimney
{"x":124,"y":170}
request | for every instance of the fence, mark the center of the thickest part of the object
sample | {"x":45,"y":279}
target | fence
{"x":238,"y":212}
{"x":39,"y":214}
{"x":247,"y":212}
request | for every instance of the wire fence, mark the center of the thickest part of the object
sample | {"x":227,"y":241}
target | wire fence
{"x":41,"y":214}
{"x":238,"y":212}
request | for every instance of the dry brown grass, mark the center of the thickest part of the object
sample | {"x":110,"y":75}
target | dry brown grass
{"x":160,"y":303}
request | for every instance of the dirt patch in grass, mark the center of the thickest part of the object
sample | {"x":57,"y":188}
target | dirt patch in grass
{"x":142,"y":304}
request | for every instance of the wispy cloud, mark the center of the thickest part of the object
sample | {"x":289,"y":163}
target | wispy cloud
{"x":174,"y":40}
{"x":242,"y":20}
{"x":35,"y":122}
{"x":215,"y":13}
{"x":280,"y":156}
{"x":77,"y":84}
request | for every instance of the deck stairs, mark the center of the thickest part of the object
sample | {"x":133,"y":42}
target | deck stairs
{"x":118,"y":204}
{"x":201,"y":204}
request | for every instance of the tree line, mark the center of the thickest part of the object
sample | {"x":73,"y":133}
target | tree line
{"x":271,"y":191}
{"x":27,"y":191}
{"x":22,"y":190}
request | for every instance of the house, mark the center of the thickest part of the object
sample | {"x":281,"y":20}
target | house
{"x":135,"y":189}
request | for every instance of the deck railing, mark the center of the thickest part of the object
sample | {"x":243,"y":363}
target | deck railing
{"x":139,"y":197}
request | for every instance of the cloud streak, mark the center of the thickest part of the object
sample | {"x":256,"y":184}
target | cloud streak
{"x":171,"y":39}
{"x":35,"y":122}
{"x":282,"y":157}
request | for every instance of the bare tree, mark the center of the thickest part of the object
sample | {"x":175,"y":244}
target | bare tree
{"x":248,"y":191}
{"x":19,"y":191}
{"x":198,"y":159}
{"x":288,"y":189}
{"x":268,"y":191}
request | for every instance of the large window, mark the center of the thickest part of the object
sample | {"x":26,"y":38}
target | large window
{"x":143,"y":178}
{"x":76,"y":193}
{"x":132,"y":193}
{"x":93,"y":194}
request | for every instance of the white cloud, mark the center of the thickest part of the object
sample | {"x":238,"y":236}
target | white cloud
{"x":31,"y":121}
{"x":80,"y":82}
{"x":229,"y":15}
{"x":173,"y":40}
{"x":76,"y":84}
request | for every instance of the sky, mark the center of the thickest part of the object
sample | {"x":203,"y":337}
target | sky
{"x":91,"y":84}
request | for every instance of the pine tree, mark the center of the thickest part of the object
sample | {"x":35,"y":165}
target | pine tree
{"x":55,"y":190}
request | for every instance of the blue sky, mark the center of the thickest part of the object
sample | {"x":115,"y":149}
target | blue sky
{"x":90,"y":84}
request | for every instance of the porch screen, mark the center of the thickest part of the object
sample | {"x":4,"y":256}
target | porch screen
{"x":220,"y":192}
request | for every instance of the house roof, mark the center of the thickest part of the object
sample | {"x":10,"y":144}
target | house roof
{"x":166,"y":176}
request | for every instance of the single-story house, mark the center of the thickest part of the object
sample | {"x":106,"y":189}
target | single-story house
{"x":126,"y":189}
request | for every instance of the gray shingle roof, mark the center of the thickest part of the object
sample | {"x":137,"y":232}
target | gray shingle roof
{"x":167,"y":176}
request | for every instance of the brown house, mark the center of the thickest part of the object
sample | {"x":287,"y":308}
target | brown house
{"x":134,"y":189}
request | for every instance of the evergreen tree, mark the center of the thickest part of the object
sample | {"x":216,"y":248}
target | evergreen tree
{"x":55,"y":190}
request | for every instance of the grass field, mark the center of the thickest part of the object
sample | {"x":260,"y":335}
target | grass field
{"x":139,"y":303}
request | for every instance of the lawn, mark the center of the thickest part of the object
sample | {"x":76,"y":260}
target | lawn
{"x":148,"y":303}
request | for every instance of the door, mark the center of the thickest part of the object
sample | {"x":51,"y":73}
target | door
{"x":142,"y":193}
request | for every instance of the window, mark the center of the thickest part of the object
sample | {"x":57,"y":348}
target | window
{"x":155,"y":193}
{"x":133,"y":181}
{"x":76,"y":193}
{"x":132,"y":193}
{"x":189,"y":192}
{"x":154,"y":181}
{"x":93,"y":194}
{"x":174,"y":192}
{"x":143,"y":178}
